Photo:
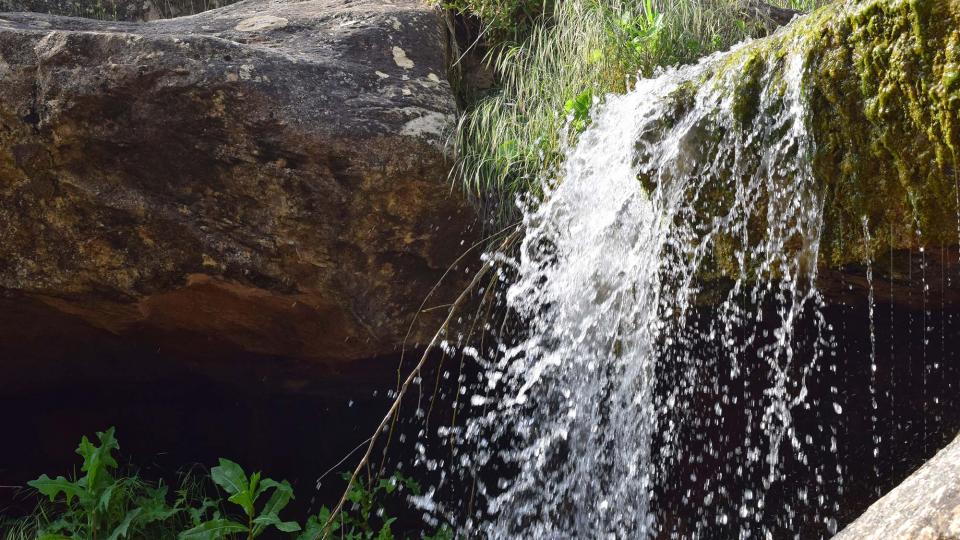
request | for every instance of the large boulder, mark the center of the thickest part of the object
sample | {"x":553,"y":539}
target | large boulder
{"x":267,"y":179}
{"x":926,"y":506}
{"x":114,"y":10}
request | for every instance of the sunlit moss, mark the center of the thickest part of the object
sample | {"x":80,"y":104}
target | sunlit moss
{"x":883,"y":82}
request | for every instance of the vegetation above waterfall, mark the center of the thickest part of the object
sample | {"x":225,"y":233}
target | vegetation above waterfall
{"x":881,"y":80}
{"x":549,"y":57}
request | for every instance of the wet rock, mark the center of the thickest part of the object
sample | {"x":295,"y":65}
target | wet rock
{"x":264,"y":179}
{"x":926,"y":506}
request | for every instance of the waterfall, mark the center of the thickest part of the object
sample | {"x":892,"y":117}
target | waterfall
{"x":667,"y":278}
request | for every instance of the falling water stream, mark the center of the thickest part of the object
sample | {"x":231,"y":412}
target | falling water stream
{"x":663,"y":324}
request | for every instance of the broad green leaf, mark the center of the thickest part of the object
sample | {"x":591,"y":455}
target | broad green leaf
{"x":243,"y":500}
{"x":254,"y":487}
{"x":212,"y":530}
{"x":51,"y":487}
{"x":53,"y":537}
{"x":282,"y":493}
{"x":288,"y":526}
{"x":229,"y":476}
{"x":247,"y":497}
{"x":281,"y":496}
{"x":313,"y":530}
{"x":120,"y":531}
{"x":266,"y":520}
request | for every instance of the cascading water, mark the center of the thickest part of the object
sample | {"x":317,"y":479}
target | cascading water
{"x":593,"y":412}
{"x":664,"y":366}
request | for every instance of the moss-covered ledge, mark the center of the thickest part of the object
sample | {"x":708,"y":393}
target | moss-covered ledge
{"x":883,"y":82}
{"x":880,"y":93}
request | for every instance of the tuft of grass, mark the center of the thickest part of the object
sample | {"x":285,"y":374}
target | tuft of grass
{"x":506,"y":142}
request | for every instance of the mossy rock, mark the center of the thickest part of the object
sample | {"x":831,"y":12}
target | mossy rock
{"x":882,"y":80}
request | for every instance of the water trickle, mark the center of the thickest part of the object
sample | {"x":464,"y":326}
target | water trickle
{"x":874,"y":434}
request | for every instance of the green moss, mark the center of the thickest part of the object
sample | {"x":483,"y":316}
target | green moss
{"x":746,"y":99}
{"x":883,"y":82}
{"x":885,"y":146}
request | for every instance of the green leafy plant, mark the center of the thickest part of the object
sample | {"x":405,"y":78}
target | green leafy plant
{"x":642,"y":30}
{"x":505,"y":20}
{"x":364,"y":519}
{"x":577,"y":110}
{"x":98,"y":505}
{"x":244,"y":492}
{"x":104,"y":504}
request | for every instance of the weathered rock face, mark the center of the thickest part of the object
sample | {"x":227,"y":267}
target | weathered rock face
{"x":114,"y":10}
{"x":926,"y":506}
{"x":267,"y":178}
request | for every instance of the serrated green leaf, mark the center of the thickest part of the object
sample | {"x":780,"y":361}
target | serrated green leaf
{"x":121,"y":530}
{"x":197,"y":514}
{"x":154,"y":505}
{"x":103,"y":502}
{"x":51,"y":487}
{"x":212,"y":530}
{"x":98,"y":460}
